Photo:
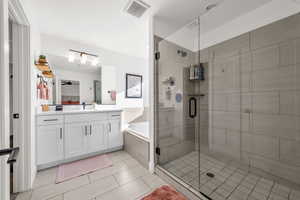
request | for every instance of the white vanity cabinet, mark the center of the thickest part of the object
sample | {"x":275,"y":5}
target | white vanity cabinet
{"x":84,"y":138}
{"x":114,"y":138}
{"x":75,"y":136}
{"x":50,"y":139}
{"x":97,"y":137}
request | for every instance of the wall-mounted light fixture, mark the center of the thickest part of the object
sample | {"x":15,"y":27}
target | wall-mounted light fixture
{"x":71,"y":56}
{"x":84,"y":57}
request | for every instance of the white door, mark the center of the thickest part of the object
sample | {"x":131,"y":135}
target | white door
{"x":115,"y":135}
{"x":97,"y":137}
{"x":49,"y":144}
{"x":75,"y":139}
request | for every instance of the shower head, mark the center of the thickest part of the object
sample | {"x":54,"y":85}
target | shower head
{"x":182,"y":53}
{"x":211,"y":6}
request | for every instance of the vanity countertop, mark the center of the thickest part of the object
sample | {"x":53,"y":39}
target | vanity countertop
{"x":79,"y":111}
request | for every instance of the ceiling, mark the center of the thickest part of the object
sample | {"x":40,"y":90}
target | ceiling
{"x":168,"y":24}
{"x":103,"y":23}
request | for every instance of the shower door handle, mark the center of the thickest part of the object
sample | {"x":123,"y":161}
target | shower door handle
{"x":192,"y":112}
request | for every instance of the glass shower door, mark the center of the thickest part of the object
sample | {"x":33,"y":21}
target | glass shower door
{"x":252,"y":150}
{"x":178,"y":74}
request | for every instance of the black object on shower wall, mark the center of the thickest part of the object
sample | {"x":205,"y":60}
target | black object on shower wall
{"x":192,"y":103}
{"x":201,"y":72}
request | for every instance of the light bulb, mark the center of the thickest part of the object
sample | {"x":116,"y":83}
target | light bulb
{"x":71,"y":56}
{"x":95,"y":61}
{"x":83,"y":58}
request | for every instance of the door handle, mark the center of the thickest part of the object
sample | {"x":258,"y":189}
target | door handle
{"x":109,"y":127}
{"x":12,"y":152}
{"x":90,"y":129}
{"x":85,"y":130}
{"x":192,"y":113}
{"x":50,"y":120}
{"x":61,"y":136}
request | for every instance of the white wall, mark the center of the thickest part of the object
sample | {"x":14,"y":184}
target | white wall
{"x":123,"y":64}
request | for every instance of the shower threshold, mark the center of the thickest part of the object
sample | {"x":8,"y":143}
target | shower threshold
{"x":181,"y":186}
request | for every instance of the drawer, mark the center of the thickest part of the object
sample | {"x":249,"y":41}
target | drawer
{"x":114,"y":115}
{"x":50,"y":119}
{"x":71,"y":118}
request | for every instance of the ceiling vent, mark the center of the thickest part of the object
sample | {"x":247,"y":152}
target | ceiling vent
{"x":136,"y":8}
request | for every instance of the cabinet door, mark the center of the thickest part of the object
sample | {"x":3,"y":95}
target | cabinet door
{"x":97,"y":140}
{"x":115,"y":135}
{"x":76,"y":136}
{"x":49,"y":144}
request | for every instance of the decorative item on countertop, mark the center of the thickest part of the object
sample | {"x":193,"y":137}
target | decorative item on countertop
{"x":45,"y":108}
{"x":42,"y":64}
{"x":58,"y":107}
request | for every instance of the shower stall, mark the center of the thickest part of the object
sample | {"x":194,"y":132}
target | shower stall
{"x":227,"y":117}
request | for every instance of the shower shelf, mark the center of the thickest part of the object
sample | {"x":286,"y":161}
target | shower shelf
{"x":197,"y":95}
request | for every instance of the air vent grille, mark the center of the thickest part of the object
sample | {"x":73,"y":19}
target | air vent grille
{"x":136,"y":8}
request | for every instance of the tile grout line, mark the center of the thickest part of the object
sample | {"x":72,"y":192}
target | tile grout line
{"x":253,"y":188}
{"x":273,"y":185}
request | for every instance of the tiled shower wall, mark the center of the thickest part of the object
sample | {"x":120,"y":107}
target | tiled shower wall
{"x":254,"y":98}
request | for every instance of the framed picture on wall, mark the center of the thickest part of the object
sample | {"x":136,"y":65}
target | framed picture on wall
{"x":134,"y":86}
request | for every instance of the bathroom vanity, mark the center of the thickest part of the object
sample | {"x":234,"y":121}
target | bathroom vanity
{"x":90,"y":123}
{"x":65,"y":136}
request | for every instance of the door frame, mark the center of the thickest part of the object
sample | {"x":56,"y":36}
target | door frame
{"x":4,"y":98}
{"x":21,"y":34}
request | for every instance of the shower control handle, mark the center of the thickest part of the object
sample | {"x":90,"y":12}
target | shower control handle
{"x":248,"y":111}
{"x":192,"y":112}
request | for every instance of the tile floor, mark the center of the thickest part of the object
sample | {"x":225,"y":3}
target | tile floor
{"x":231,"y":181}
{"x":126,"y":180}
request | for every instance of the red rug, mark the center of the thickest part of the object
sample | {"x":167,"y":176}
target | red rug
{"x":165,"y":193}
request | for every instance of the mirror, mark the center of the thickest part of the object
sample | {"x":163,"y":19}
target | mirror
{"x":70,"y":92}
{"x":76,"y":83}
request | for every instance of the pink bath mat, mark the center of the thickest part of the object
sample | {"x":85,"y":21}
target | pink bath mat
{"x":165,"y":193}
{"x":81,"y":167}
